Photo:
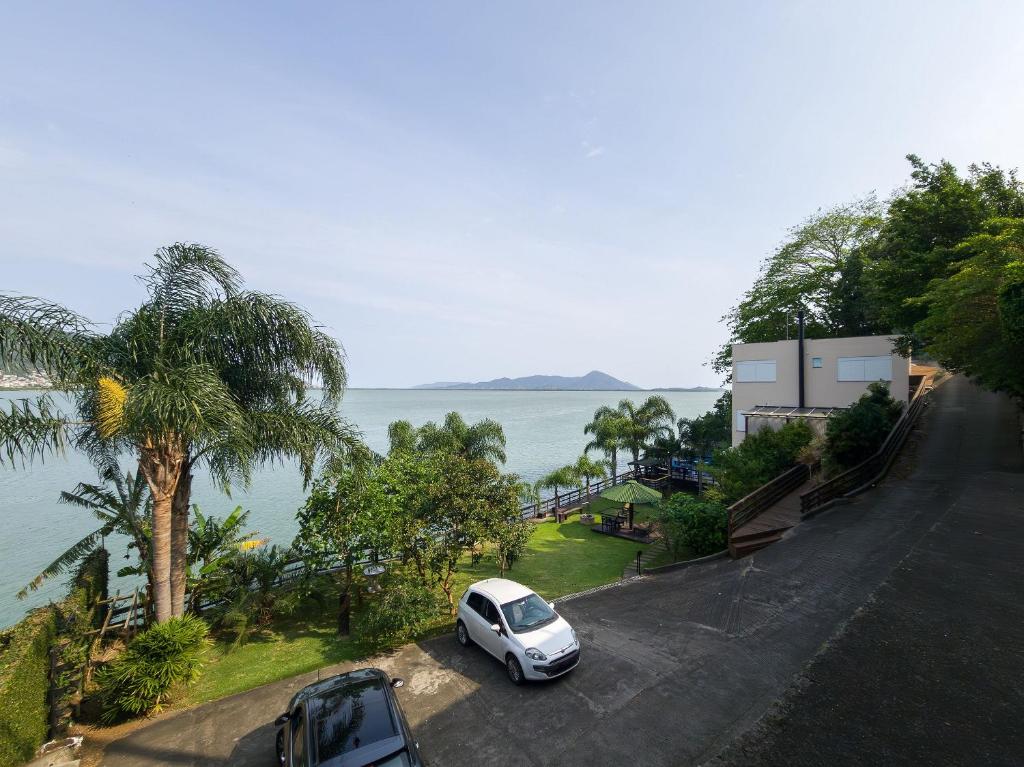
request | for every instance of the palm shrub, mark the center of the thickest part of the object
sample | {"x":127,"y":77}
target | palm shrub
{"x":697,"y":524}
{"x":157,"y":661}
{"x":856,"y":434}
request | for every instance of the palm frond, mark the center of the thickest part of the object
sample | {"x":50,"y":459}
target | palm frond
{"x":32,"y":429}
{"x":64,"y":562}
{"x":46,"y":336}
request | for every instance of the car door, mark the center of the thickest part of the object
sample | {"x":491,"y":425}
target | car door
{"x":297,"y":739}
{"x":492,"y":642}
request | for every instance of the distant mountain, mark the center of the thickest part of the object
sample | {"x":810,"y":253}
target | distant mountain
{"x":692,"y":388}
{"x":595,"y":380}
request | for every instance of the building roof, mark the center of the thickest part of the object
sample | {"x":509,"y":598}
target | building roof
{"x":788,"y":411}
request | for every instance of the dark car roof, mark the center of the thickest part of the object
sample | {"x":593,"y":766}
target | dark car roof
{"x":352,"y":719}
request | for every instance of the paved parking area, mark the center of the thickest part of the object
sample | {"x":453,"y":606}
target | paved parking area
{"x":674,"y":668}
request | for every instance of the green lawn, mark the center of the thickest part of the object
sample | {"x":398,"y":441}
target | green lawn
{"x":561,"y":559}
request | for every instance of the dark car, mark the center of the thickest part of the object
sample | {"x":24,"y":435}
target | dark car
{"x":349,"y":720}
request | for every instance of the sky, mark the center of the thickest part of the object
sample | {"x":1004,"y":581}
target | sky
{"x":463,"y":191}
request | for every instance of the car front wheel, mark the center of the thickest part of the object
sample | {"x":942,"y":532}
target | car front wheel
{"x":462,"y":634}
{"x":515,"y":671}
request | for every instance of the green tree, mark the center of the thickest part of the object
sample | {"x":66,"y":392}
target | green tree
{"x":760,"y":458}
{"x":818,"y":269}
{"x":925,"y":224}
{"x":121,"y":504}
{"x":588,"y":470}
{"x":642,"y":424}
{"x":854,"y":435}
{"x":607,"y":427}
{"x":975,"y":315}
{"x":510,"y":538}
{"x":402,"y":435}
{"x":203,"y":373}
{"x":482,"y":440}
{"x":404,"y":608}
{"x":697,"y":525}
{"x":563,"y":477}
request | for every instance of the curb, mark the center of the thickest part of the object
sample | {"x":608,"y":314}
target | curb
{"x":688,"y":563}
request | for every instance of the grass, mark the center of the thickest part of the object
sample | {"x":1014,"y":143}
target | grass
{"x":560,"y":559}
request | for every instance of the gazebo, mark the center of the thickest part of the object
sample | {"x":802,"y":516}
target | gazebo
{"x":629,"y":494}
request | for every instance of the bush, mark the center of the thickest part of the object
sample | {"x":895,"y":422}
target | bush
{"x":403,"y":609}
{"x":760,"y":458}
{"x":24,"y":683}
{"x":154,"y":663}
{"x":856,"y":434}
{"x":694,"y":523}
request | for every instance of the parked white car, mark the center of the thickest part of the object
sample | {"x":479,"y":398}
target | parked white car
{"x":518,"y":628}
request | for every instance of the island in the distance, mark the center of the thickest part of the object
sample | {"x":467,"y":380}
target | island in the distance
{"x":595,"y":380}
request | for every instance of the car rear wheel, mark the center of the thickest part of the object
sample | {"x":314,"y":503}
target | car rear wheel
{"x":515,"y":671}
{"x":462,"y":634}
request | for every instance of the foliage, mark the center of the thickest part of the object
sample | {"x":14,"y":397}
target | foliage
{"x":761,"y":457}
{"x":856,"y":434}
{"x":24,"y":684}
{"x":975,"y":315}
{"x":121,"y":504}
{"x":403,"y":609}
{"x":483,"y":440}
{"x":699,"y":525}
{"x":640,"y":425}
{"x":157,"y":661}
{"x":249,"y":591}
{"x":701,"y":436}
{"x":212,"y":544}
{"x":607,"y":427}
{"x":563,"y":477}
{"x":202,"y":373}
{"x":819,"y":269}
{"x":510,"y":542}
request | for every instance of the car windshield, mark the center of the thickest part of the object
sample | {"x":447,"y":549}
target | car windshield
{"x":352,"y":717}
{"x":528,"y":613}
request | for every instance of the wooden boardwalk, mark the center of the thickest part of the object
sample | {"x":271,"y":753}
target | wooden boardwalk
{"x":770,"y":525}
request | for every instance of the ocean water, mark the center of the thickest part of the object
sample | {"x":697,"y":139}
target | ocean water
{"x":543,"y":430}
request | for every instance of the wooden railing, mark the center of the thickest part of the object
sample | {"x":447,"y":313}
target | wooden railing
{"x":870,"y":470}
{"x":751,"y":506}
{"x":573,"y":497}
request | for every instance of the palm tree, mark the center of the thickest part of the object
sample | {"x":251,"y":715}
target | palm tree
{"x":643,"y":424}
{"x":121,"y":504}
{"x":587,"y":470}
{"x":202,"y":373}
{"x":607,"y":427}
{"x":482,"y":440}
{"x":563,"y":477}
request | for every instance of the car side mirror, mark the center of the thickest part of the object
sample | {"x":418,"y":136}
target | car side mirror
{"x":551,"y":605}
{"x":397,"y":682}
{"x":496,"y":628}
{"x":282,"y":720}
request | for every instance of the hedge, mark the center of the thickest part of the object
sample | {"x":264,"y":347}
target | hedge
{"x":24,"y":686}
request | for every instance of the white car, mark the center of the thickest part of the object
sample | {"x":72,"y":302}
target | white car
{"x":518,"y":628}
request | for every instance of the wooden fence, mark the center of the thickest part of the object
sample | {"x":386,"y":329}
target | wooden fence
{"x":750,"y":507}
{"x":574,"y":497}
{"x":871,"y":470}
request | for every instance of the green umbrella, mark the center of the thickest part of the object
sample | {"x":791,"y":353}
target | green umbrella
{"x":631,"y":492}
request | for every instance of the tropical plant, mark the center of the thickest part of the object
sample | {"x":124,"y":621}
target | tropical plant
{"x":699,"y":437}
{"x":563,"y":477}
{"x":608,"y":427}
{"x":855,"y":434}
{"x":699,"y":525}
{"x":484,"y":439}
{"x":121,"y":504}
{"x":510,"y":539}
{"x":202,"y":373}
{"x":587,"y":469}
{"x":212,"y":542}
{"x":402,"y":435}
{"x":157,"y":661}
{"x":642,"y":424}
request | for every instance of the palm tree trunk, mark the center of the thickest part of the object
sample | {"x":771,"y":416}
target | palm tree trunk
{"x":162,"y":468}
{"x":179,"y":539}
{"x":615,"y":464}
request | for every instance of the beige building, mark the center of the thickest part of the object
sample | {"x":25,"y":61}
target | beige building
{"x":766,"y":385}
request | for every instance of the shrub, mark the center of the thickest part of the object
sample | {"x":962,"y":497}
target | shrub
{"x":694,"y":523}
{"x":510,"y":542}
{"x":759,"y":459}
{"x":856,"y":434}
{"x":24,"y":683}
{"x":403,"y":609}
{"x":154,"y":663}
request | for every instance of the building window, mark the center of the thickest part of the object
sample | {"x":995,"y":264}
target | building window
{"x":741,"y":422}
{"x":864,"y":368}
{"x":755,"y":371}
{"x":815,"y":362}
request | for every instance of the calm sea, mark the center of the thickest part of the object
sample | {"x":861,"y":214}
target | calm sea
{"x":543,"y":429}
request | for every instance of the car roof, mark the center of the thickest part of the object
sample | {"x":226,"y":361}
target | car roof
{"x":501,"y":590}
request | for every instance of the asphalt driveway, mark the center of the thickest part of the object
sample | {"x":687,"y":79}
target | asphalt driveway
{"x":675,"y":666}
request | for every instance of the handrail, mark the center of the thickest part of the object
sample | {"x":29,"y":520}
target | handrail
{"x":868,"y":470}
{"x":752,"y":505}
{"x":571,"y":497}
